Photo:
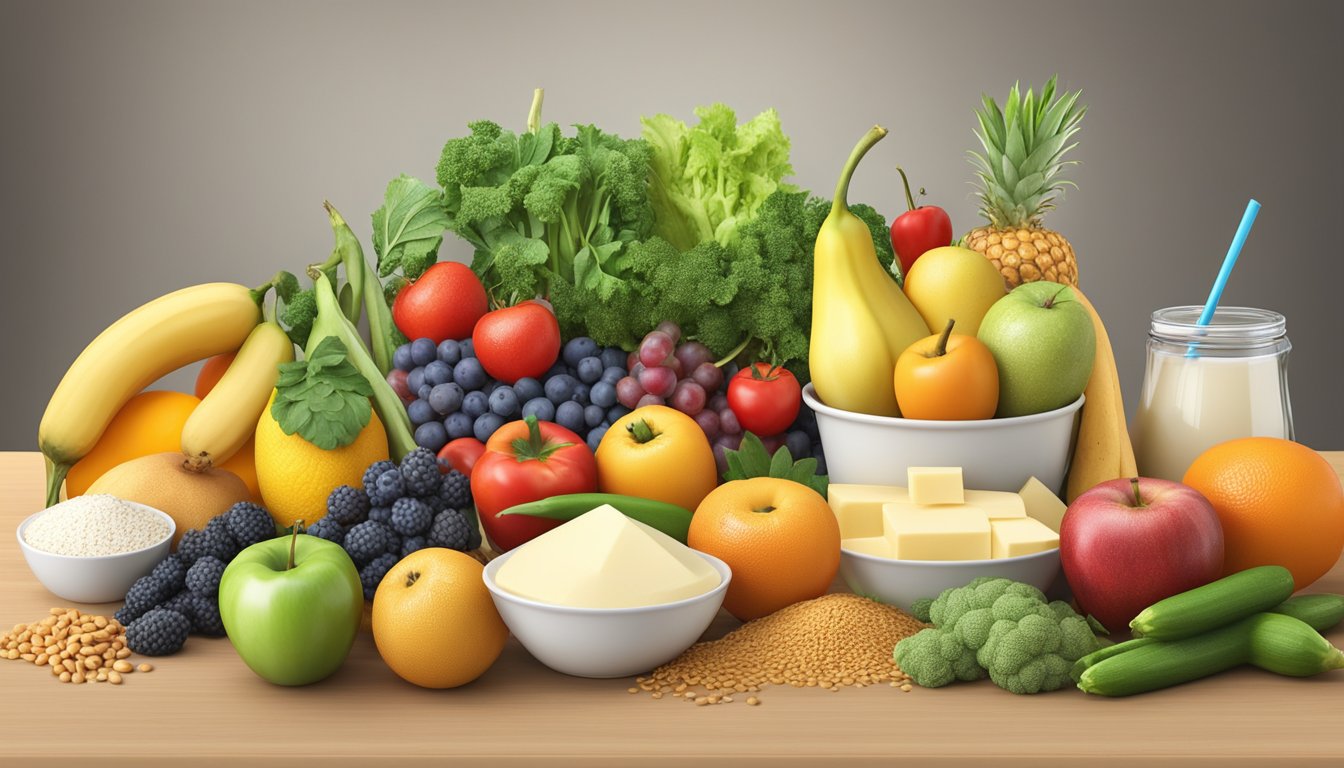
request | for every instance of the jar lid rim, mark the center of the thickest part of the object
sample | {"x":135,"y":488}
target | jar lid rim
{"x":1228,"y":324}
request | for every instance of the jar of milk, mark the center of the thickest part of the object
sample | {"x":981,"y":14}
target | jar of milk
{"x":1208,"y":384}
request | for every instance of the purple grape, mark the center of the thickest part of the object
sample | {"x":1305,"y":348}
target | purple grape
{"x":728,"y":423}
{"x":650,"y":400}
{"x":671,"y":329}
{"x":628,"y":392}
{"x":692,"y":354}
{"x":658,"y":381}
{"x":709,"y":423}
{"x":717,"y":401}
{"x":800,"y":445}
{"x":688,"y":397}
{"x":397,"y":380}
{"x":655,"y":348}
{"x":708,"y":376}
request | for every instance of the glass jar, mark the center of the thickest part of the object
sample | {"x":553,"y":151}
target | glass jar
{"x":1204,"y":385}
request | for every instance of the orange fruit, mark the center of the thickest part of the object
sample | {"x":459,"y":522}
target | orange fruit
{"x":1280,"y":504}
{"x":244,"y":465}
{"x":780,"y":539}
{"x":433,"y":620}
{"x":150,"y":422}
{"x":211,"y":372}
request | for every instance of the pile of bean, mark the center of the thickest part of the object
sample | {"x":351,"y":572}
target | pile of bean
{"x":78,"y":648}
{"x":833,"y":641}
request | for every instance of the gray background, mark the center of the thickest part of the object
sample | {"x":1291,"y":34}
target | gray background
{"x":146,"y":146}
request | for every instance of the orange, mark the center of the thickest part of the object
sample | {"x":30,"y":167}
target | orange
{"x":150,"y":422}
{"x":433,"y":620}
{"x":211,"y":372}
{"x":1280,"y":504}
{"x":780,"y":539}
{"x":947,"y":376}
{"x":244,"y":465}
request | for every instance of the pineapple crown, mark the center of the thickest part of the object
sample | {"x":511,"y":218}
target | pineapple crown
{"x":1024,"y":145}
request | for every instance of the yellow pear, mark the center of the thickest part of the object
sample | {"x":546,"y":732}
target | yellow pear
{"x":953,"y":282}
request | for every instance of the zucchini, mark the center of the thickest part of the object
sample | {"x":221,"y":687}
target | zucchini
{"x":1320,"y":612}
{"x":671,"y":519}
{"x":1215,"y":604}
{"x":1102,"y":654}
{"x":1287,"y":646}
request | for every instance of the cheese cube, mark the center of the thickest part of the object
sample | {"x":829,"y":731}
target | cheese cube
{"x":1020,"y":536}
{"x":996,"y":504}
{"x":1042,"y":504}
{"x":877,"y":546}
{"x":935,"y":485}
{"x":858,"y":508}
{"x":952,"y":533}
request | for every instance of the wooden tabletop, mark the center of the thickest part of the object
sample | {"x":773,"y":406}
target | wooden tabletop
{"x":204,"y":705}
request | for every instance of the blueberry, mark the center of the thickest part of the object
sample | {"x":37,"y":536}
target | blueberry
{"x":470,"y":374}
{"x":504,"y":401}
{"x":615,"y":412}
{"x":420,"y":412}
{"x":438,"y":372}
{"x":594,"y":415}
{"x":466,"y":349}
{"x":431,"y":435}
{"x":613,"y":357}
{"x":490,"y":386}
{"x":569,"y":415}
{"x":527,"y":388}
{"x":613,"y":373}
{"x":423,"y":391}
{"x":555,"y":370}
{"x":446,"y":398}
{"x":578,"y":348}
{"x":580,"y":394}
{"x":423,"y":351}
{"x":590,"y":370}
{"x":602,"y":394}
{"x":475,"y":403}
{"x":595,"y":435}
{"x":458,"y":425}
{"x":449,"y":351}
{"x":486,"y":424}
{"x":540,"y":407}
{"x":415,"y":379}
{"x":560,"y":388}
{"x":401,"y":358}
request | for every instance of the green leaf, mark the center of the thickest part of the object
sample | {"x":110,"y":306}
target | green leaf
{"x":324,"y":399}
{"x":781,"y":465}
{"x":408,"y":229}
{"x":755,"y":459}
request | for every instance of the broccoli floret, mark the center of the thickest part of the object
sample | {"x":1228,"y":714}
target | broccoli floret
{"x":298,"y":315}
{"x":933,"y":658}
{"x":480,"y":158}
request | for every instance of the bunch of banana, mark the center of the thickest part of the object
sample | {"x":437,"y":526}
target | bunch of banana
{"x":152,"y":340}
{"x":1103,"y":451}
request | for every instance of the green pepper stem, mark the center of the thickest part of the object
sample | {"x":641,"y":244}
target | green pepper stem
{"x":841,"y":202}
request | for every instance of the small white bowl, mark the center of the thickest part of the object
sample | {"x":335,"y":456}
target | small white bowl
{"x":994,"y":454}
{"x":98,"y":579}
{"x":902,"y":582}
{"x":607,"y":642}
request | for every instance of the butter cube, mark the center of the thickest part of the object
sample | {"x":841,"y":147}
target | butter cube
{"x":858,"y":508}
{"x":996,"y":505}
{"x":952,"y":533}
{"x":1020,"y":536}
{"x":877,"y":546}
{"x":935,"y":485}
{"x":1042,"y":504}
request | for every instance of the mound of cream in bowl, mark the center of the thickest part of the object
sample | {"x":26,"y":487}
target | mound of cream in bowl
{"x":606,"y":596}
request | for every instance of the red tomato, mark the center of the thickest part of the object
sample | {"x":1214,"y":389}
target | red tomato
{"x":765,"y":399}
{"x":443,"y":303}
{"x":461,"y":454}
{"x":517,"y":341}
{"x":526,"y":461}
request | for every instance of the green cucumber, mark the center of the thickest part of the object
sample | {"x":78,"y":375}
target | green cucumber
{"x":671,"y":519}
{"x":1215,"y":604}
{"x":1320,"y":612}
{"x":1102,"y":654}
{"x":1287,"y":646}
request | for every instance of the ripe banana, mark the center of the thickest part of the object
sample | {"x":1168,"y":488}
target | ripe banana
{"x":228,"y":415}
{"x":1103,"y":450}
{"x":154,"y":339}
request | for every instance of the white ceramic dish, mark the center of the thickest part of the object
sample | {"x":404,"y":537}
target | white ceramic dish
{"x":902,"y":582}
{"x":607,"y":642}
{"x":99,"y":579}
{"x":994,"y":454}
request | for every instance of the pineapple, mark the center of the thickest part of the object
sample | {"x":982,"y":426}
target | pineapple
{"x":1019,"y":176}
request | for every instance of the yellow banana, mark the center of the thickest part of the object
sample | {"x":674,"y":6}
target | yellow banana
{"x":154,"y":339}
{"x":228,"y":415}
{"x":1103,"y":450}
{"x":861,"y":320}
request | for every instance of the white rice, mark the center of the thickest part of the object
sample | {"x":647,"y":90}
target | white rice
{"x":94,"y":525}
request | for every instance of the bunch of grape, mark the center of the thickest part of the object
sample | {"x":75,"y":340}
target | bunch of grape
{"x":449,"y":395}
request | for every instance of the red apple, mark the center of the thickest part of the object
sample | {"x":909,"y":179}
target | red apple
{"x":1127,"y":543}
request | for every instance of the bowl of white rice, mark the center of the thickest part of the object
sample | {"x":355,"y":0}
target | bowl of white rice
{"x":91,"y":548}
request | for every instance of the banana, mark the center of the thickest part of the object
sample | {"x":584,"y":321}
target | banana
{"x":154,"y":339}
{"x":228,"y":415}
{"x":1103,"y":450}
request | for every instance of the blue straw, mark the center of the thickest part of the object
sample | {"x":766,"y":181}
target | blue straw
{"x":1230,"y":261}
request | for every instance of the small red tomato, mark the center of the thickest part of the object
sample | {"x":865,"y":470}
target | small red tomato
{"x":524,"y":461}
{"x":461,"y":454}
{"x":443,"y":303}
{"x":918,"y":230}
{"x":764,"y":398}
{"x":522,"y":340}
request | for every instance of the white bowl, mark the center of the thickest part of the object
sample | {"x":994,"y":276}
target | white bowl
{"x":607,"y":642}
{"x":994,"y":454}
{"x":902,"y":582}
{"x":98,"y":579}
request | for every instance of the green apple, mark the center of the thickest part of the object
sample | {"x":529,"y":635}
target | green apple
{"x":1043,"y":342}
{"x":953,"y":283}
{"x":291,"y":607}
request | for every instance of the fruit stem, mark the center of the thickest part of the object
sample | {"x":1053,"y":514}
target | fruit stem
{"x":56,"y":472}
{"x":940,"y":348}
{"x":728,"y":358}
{"x":764,"y":510}
{"x":1138,"y":499}
{"x":1050,"y":302}
{"x":909,"y":199}
{"x":641,"y":431}
{"x":293,"y":540}
{"x":840,"y":203}
{"x":534,"y":115}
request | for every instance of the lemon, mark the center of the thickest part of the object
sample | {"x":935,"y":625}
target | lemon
{"x":296,"y":476}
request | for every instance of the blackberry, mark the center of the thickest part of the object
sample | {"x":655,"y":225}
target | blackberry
{"x":171,"y":571}
{"x":158,"y":633}
{"x":189,"y":548}
{"x":413,"y":544}
{"x":181,"y":602}
{"x":456,"y":490}
{"x":411,"y":517}
{"x":450,"y":530}
{"x":420,"y":472}
{"x":347,"y":505}
{"x":367,"y":541}
{"x":372,"y":574}
{"x":388,"y":488}
{"x":475,"y":542}
{"x":249,"y":524}
{"x":203,"y":576}
{"x":218,"y":542}
{"x":205,"y":619}
{"x":436,"y":504}
{"x":327,"y":528}
{"x":381,"y":514}
{"x":371,"y":474}
{"x":144,"y":595}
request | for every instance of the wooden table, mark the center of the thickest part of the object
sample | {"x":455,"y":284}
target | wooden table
{"x":204,"y":705}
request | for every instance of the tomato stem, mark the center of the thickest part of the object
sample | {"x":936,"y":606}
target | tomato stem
{"x":535,"y":447}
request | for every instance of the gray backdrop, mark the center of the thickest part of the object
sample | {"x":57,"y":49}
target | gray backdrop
{"x":146,"y":146}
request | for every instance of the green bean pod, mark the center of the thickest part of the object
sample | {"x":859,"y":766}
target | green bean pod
{"x":671,"y":519}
